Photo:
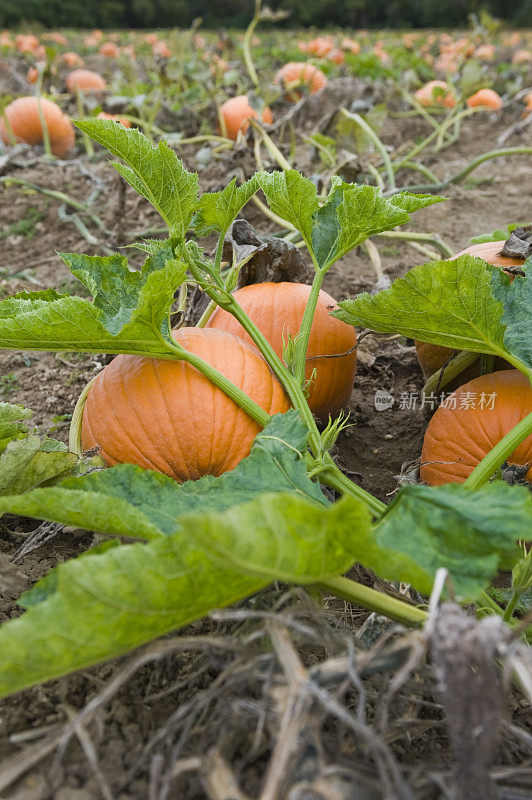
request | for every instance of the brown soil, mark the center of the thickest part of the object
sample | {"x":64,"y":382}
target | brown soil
{"x":131,"y":759}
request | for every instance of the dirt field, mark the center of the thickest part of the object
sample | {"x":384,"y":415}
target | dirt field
{"x":150,"y":740}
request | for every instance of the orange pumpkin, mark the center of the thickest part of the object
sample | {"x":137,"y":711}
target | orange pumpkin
{"x":160,"y":48}
{"x":277,"y":310}
{"x":32,"y":75}
{"x":115,"y":118}
{"x":26,"y":43}
{"x":433,"y":357}
{"x":297,"y":72}
{"x":165,"y":415}
{"x":237,"y":112}
{"x":485,"y":98}
{"x":436,"y":93}
{"x":109,"y":50}
{"x":24,"y":122}
{"x":72,"y":59}
{"x":465,"y":429}
{"x":86,"y":80}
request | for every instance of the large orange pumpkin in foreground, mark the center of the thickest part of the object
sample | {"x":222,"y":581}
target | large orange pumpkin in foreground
{"x":24,"y":123}
{"x":486,"y":409}
{"x":165,"y":415}
{"x":277,"y":310}
{"x":433,"y":357}
{"x":85,"y":79}
{"x":298,"y":72}
{"x":237,"y":112}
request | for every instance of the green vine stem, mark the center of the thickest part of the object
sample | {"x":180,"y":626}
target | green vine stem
{"x":370,"y":133}
{"x":74,"y":435}
{"x":87,"y":141}
{"x":248,"y":60}
{"x":44,"y":127}
{"x":412,"y":236}
{"x":499,"y":454}
{"x":455,"y":367}
{"x":510,"y":608}
{"x":509,"y":151}
{"x":373,"y":600}
{"x":334,"y":478}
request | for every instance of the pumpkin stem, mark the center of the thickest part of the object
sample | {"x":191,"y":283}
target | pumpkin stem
{"x":373,"y":600}
{"x":74,"y":436}
{"x":489,"y":465}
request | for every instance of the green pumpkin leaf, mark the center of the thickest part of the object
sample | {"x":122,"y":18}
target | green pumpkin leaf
{"x":12,"y":425}
{"x":217,"y":210}
{"x":443,"y":302}
{"x":24,"y":464}
{"x":470,"y":533}
{"x":516,"y":298}
{"x":129,"y":313}
{"x":352,"y":213}
{"x":292,"y":197}
{"x":126,"y":500}
{"x":154,"y":172}
{"x":101,"y":605}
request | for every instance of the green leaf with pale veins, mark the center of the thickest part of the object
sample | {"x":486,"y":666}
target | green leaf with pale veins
{"x":292,"y":197}
{"x":217,"y":210}
{"x":154,"y":172}
{"x":516,"y":298}
{"x":12,"y":425}
{"x":96,"y":607}
{"x":24,"y":464}
{"x":126,"y":500}
{"x":129,"y":313}
{"x":443,"y":302}
{"x":352,"y":213}
{"x":472,"y":534}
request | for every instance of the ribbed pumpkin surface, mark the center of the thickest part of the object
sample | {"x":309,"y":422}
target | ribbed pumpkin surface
{"x":25,"y":123}
{"x":165,"y":415}
{"x":277,"y":310}
{"x":458,"y":438}
{"x":433,"y":357}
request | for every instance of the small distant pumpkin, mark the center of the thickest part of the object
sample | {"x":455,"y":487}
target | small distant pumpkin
{"x":160,"y":48}
{"x":436,"y":93}
{"x":86,"y":80}
{"x":277,"y":310}
{"x":21,"y":119}
{"x":115,"y":118}
{"x":237,"y":112}
{"x":72,"y":59}
{"x":297,"y":73}
{"x":109,"y":50}
{"x":485,"y":98}
{"x":471,"y":422}
{"x":166,"y":416}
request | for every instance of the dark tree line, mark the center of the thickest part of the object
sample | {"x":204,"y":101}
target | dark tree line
{"x":236,"y":13}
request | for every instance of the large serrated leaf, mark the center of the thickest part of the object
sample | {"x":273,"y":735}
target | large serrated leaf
{"x":24,"y":464}
{"x":443,"y":302}
{"x":352,"y":213}
{"x":470,"y":533}
{"x":292,"y":197}
{"x":126,"y":500}
{"x":99,"y":606}
{"x":516,"y":298}
{"x":12,"y":425}
{"x":217,"y":210}
{"x":154,"y":172}
{"x":129,"y":313}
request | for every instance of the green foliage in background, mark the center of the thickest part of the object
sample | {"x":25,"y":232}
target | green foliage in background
{"x":237,"y":13}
